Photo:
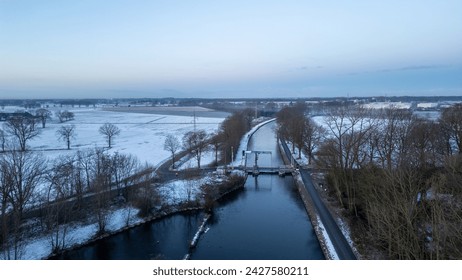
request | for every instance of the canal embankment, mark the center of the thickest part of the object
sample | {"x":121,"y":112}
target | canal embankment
{"x":330,"y":236}
{"x":324,"y":242}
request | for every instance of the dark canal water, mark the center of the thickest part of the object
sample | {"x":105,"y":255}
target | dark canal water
{"x":266,"y":220}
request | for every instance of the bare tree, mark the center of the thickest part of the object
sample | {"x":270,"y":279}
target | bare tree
{"x":312,"y":138}
{"x":110,"y":131}
{"x":216,"y":141}
{"x":6,"y":181}
{"x":21,"y":173}
{"x":391,"y":149}
{"x":451,"y":119}
{"x":22,"y":128}
{"x":426,"y":144}
{"x":43,"y":115}
{"x":3,"y":140}
{"x":232,"y":129}
{"x":291,"y":124}
{"x":27,"y":170}
{"x":65,"y":116}
{"x":146,"y":197}
{"x":196,"y":143}
{"x":66,"y":133}
{"x":100,"y":205}
{"x":58,"y":209}
{"x":60,"y":177}
{"x":85,"y":159}
{"x":123,"y":169}
{"x":172,"y":144}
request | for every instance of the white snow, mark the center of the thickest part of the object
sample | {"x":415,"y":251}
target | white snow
{"x":208,"y":157}
{"x":387,"y":105}
{"x":347,"y":233}
{"x":328,"y":242}
{"x":180,"y":191}
{"x":427,"y":105}
{"x":200,"y":231}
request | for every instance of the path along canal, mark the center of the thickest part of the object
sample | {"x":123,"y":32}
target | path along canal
{"x":265,"y":220}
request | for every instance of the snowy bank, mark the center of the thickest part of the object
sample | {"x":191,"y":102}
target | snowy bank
{"x":76,"y":234}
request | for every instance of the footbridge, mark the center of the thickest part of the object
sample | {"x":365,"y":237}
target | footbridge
{"x":256,"y":169}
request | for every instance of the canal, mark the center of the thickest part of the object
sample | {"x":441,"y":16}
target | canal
{"x":266,"y":220}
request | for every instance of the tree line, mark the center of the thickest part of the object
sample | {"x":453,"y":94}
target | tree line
{"x":59,"y":189}
{"x":23,"y":128}
{"x":398,"y":176}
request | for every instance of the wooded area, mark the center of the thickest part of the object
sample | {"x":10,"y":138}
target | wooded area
{"x":399,"y":177}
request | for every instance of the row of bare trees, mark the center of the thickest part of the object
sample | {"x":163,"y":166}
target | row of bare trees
{"x":398,"y":176}
{"x":43,"y":115}
{"x":232,"y":129}
{"x":64,"y":189}
{"x":303,"y":133}
{"x":24,"y":128}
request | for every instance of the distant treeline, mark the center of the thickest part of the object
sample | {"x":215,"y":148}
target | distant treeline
{"x":226,"y":104}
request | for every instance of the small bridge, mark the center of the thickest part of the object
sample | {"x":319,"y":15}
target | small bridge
{"x":281,"y":170}
{"x":256,"y":170}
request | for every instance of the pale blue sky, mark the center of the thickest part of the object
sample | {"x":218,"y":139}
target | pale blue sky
{"x":149,"y":48}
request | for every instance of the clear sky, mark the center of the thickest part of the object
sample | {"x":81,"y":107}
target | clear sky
{"x":214,"y":48}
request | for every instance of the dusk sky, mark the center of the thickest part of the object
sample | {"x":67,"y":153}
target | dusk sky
{"x":163,"y":48}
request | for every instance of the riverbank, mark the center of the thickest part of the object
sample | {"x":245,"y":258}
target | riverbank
{"x":324,"y":240}
{"x":121,"y":216}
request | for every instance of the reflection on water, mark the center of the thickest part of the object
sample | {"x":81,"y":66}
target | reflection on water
{"x":166,"y":238}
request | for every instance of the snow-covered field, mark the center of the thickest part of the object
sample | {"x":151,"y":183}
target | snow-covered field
{"x":142,"y":135}
{"x":387,"y":105}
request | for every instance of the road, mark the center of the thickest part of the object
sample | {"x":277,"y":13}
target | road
{"x":341,"y":245}
{"x":165,"y":174}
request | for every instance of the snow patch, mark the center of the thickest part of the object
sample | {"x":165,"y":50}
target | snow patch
{"x":181,"y":191}
{"x":208,"y":157}
{"x":387,"y":105}
{"x":329,"y":245}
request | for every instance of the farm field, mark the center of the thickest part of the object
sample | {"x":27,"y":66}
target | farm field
{"x":142,"y":134}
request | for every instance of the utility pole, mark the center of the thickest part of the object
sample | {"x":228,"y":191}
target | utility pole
{"x":194,"y":120}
